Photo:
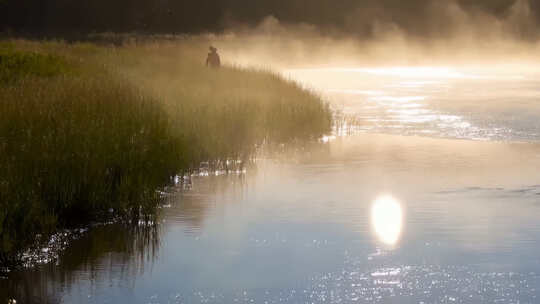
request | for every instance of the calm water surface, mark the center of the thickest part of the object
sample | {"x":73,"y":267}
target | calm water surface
{"x":435,"y":200}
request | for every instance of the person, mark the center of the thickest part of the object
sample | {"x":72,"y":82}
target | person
{"x":213,"y":58}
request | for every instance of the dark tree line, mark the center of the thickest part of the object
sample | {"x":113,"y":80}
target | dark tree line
{"x":109,"y":15}
{"x":191,"y":16}
{"x":162,"y":15}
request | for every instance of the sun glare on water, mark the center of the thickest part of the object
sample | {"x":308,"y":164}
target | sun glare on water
{"x":422,"y":72}
{"x":418,"y":72}
{"x":387,"y":219}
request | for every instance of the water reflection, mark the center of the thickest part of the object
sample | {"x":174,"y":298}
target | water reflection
{"x":387,"y":219}
{"x":116,"y":250}
{"x":300,"y":229}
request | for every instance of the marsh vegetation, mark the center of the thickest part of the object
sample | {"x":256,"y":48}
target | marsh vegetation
{"x":91,"y":132}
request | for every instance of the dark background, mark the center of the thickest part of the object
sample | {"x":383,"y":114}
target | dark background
{"x":356,"y":17}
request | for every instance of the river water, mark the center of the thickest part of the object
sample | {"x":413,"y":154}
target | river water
{"x":431,"y":196}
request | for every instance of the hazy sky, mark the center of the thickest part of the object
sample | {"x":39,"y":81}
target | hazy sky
{"x":419,"y":18}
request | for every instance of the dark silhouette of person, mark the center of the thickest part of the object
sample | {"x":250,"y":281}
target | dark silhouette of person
{"x":213,"y":58}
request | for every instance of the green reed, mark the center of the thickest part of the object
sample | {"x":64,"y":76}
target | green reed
{"x":90,"y":132}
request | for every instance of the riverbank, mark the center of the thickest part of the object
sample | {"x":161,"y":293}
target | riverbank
{"x":91,"y":132}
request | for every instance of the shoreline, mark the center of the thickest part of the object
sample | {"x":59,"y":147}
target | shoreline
{"x":461,"y":149}
{"x":428,"y":176}
{"x":89,"y":128}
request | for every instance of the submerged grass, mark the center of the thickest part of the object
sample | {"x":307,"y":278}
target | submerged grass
{"x":90,"y":132}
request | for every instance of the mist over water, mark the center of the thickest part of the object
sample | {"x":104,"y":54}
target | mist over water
{"x":432,"y":198}
{"x":429,"y":193}
{"x":487,"y":103}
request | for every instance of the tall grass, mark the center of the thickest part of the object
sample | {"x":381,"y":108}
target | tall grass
{"x":88,"y":132}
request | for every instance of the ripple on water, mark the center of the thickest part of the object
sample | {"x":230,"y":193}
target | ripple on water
{"x":402,"y":284}
{"x":438,"y":102}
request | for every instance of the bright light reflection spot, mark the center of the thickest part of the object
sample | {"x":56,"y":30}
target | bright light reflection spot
{"x":387,"y":219}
